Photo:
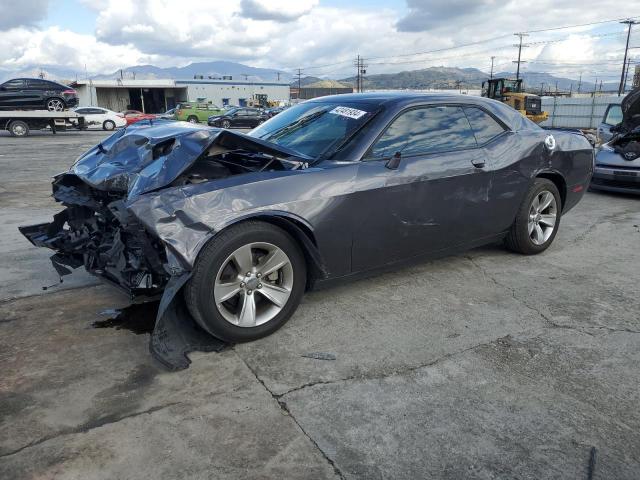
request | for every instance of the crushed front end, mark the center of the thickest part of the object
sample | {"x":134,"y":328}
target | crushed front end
{"x":97,"y":231}
{"x":112,"y":197}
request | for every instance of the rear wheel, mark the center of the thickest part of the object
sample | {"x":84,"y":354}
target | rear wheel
{"x":192,"y":119}
{"x":537,"y":220}
{"x":55,"y":105}
{"x":247,"y":282}
{"x":18,"y":128}
{"x":108,"y":125}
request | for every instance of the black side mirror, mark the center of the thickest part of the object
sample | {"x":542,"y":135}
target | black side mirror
{"x":394,"y":162}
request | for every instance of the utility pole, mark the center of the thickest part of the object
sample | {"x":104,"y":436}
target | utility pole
{"x":630,"y":23}
{"x":541,"y":88}
{"x":278,"y":74}
{"x":360,"y":70}
{"x":580,"y":82}
{"x":299,"y":79}
{"x":520,"y":45}
{"x":626,"y":75}
{"x":491,"y":75}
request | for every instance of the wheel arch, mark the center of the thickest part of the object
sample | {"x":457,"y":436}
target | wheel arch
{"x":558,"y":180}
{"x":301,"y":231}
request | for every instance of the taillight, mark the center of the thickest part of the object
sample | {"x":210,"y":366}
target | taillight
{"x":70,"y":92}
{"x":179,"y":112}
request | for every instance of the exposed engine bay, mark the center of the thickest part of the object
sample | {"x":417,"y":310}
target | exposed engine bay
{"x":98,"y":232}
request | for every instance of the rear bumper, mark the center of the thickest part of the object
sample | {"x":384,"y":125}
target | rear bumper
{"x":616,"y":179}
{"x":71,"y":102}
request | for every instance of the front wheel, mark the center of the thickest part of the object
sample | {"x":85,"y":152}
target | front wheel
{"x":226,"y":124}
{"x":18,"y":128}
{"x":537,"y":220}
{"x":192,"y":119}
{"x":247,"y":282}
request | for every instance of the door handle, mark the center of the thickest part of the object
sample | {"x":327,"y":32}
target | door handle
{"x":478,"y":162}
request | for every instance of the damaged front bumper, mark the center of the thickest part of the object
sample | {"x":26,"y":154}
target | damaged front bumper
{"x":96,"y":231}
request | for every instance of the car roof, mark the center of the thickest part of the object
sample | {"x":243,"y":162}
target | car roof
{"x":512,"y":118}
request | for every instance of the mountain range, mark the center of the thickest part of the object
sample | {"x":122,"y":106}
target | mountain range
{"x":422,"y":79}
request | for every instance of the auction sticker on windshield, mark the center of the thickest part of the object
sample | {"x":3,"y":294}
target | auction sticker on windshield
{"x":348,"y":112}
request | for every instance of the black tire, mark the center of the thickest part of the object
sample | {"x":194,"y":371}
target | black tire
{"x":226,"y":124}
{"x":199,"y":294}
{"x":55,"y":104}
{"x":192,"y":119}
{"x":108,"y":125}
{"x":518,"y":239}
{"x":18,"y":128}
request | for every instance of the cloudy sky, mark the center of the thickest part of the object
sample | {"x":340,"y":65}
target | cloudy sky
{"x":320,"y":36}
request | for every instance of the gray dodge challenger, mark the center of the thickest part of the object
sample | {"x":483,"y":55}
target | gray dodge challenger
{"x":229,"y":229}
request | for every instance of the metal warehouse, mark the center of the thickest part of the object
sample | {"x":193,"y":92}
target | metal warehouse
{"x":158,"y":95}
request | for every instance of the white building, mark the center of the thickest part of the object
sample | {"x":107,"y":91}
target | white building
{"x":158,"y":95}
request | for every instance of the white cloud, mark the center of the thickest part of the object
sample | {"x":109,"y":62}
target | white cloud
{"x":22,"y":47}
{"x":291,"y":33}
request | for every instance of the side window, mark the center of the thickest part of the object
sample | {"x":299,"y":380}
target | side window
{"x":614,"y":115}
{"x":82,"y":111}
{"x":426,"y":130}
{"x":14,"y":84}
{"x":484,"y":125}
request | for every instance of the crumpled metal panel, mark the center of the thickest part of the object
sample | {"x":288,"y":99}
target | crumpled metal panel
{"x":150,"y":156}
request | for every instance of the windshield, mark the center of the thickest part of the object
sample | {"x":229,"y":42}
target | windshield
{"x":315,"y":128}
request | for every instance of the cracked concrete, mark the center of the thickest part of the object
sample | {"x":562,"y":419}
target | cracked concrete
{"x":486,"y":365}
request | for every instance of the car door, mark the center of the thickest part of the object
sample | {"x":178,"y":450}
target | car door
{"x":11,"y":93}
{"x":239,"y":118}
{"x":434,"y":198}
{"x":35,"y":92}
{"x":612,"y":117}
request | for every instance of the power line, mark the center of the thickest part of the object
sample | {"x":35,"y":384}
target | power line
{"x":580,"y":25}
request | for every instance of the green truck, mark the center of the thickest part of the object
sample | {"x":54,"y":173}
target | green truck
{"x":196,"y":112}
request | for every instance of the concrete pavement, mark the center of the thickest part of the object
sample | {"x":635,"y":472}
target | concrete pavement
{"x":485,"y":365}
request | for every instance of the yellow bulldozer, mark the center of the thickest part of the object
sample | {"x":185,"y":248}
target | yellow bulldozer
{"x":512,"y":93}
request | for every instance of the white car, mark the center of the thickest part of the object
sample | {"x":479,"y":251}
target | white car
{"x":96,"y":117}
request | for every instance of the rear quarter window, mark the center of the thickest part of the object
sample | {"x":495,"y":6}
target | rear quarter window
{"x":484,"y":126}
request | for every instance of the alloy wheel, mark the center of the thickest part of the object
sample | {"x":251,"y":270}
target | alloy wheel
{"x":226,"y":124}
{"x":253,"y":284}
{"x":55,"y":105}
{"x":542,"y":217}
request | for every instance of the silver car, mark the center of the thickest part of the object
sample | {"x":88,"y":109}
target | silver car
{"x":617,"y":163}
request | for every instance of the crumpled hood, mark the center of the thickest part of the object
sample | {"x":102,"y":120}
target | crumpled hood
{"x":151,"y":154}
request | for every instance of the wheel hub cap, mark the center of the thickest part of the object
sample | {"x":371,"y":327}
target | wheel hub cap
{"x":253,"y":284}
{"x":542,"y":217}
